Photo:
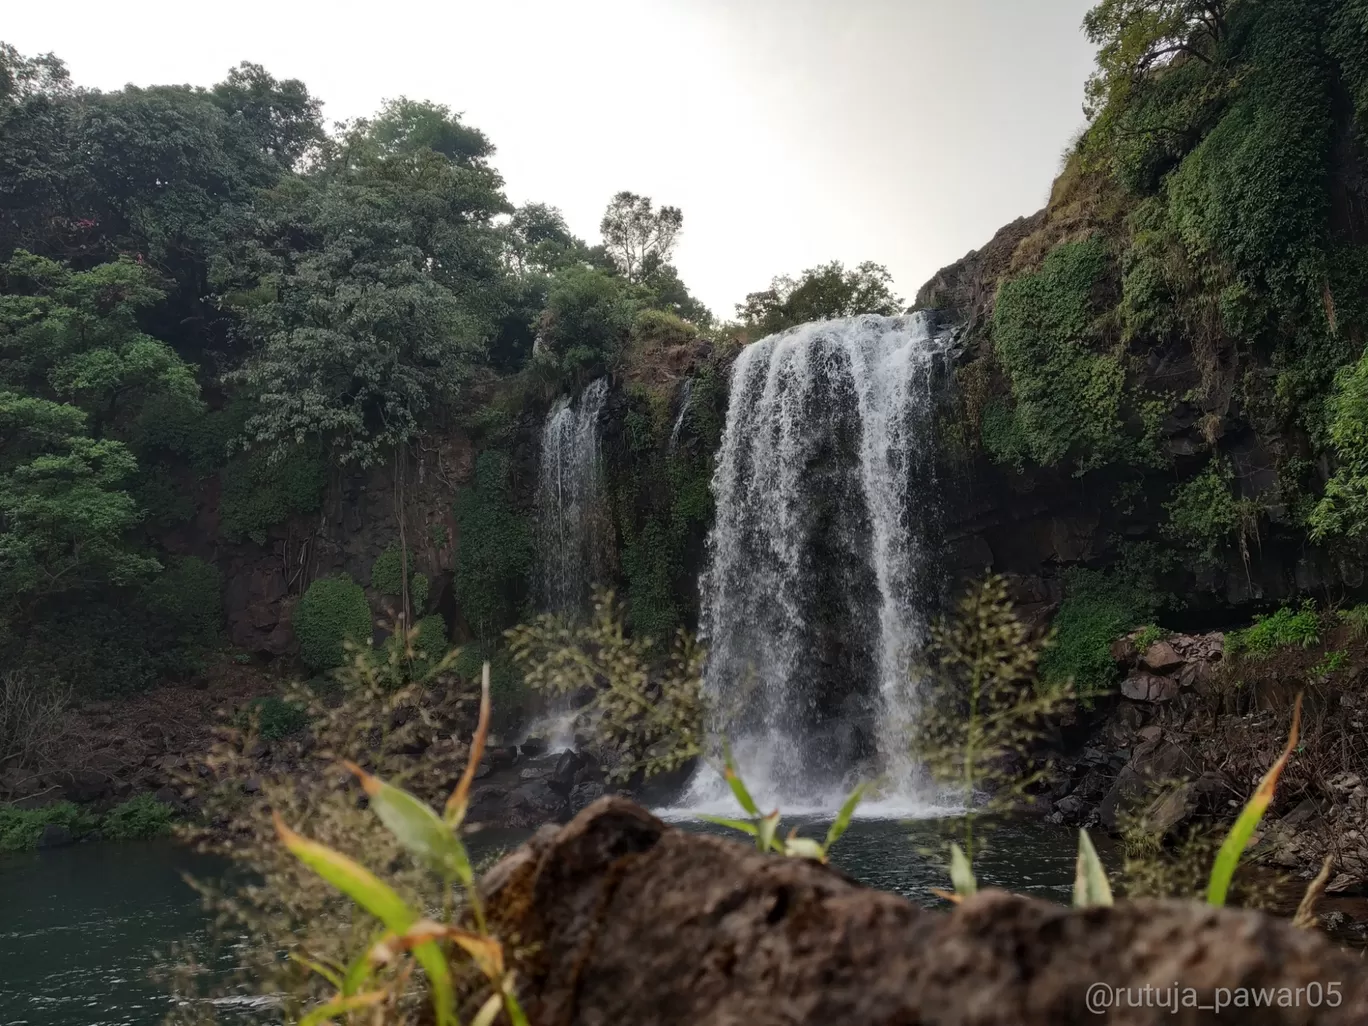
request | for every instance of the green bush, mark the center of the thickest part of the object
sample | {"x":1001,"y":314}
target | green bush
{"x":387,"y":577}
{"x":1148,"y":635}
{"x":432,"y":643}
{"x":138,"y":819}
{"x":1284,"y":629}
{"x":1099,"y":606}
{"x":187,"y":599}
{"x":20,"y":829}
{"x":275,"y":717}
{"x":494,"y":556}
{"x":508,"y":694}
{"x":259,"y":493}
{"x":587,"y":319}
{"x":332,"y":611}
{"x":1045,"y":330}
{"x":663,"y":327}
{"x":1206,"y":516}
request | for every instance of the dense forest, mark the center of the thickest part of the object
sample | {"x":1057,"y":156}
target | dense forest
{"x":210,"y":299}
{"x":217,"y":312}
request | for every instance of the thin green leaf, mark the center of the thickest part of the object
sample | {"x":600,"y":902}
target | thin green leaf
{"x":745,"y":826}
{"x":516,"y":1015}
{"x":380,"y":900}
{"x":358,"y":973}
{"x":734,"y":781}
{"x":341,"y":1006}
{"x":961,"y":873}
{"x":1090,"y":879}
{"x":768,"y":827}
{"x":1218,"y":886}
{"x":457,"y":804}
{"x":351,"y":878}
{"x":844,"y":816}
{"x":415,"y":825}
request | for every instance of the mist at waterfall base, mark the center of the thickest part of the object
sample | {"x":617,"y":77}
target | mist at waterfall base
{"x":822,"y":572}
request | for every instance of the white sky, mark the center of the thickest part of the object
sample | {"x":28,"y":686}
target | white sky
{"x":790,"y":132}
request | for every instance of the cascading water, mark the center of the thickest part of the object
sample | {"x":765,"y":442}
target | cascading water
{"x":822,"y":567}
{"x":569,"y":536}
{"x":569,"y":501}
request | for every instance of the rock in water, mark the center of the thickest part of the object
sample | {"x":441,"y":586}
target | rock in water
{"x":631,"y":921}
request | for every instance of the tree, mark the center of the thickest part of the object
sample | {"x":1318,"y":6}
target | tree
{"x":587,"y":318}
{"x":820,"y":293}
{"x":284,"y":118}
{"x":370,"y":287}
{"x":637,"y":236}
{"x":1138,"y":36}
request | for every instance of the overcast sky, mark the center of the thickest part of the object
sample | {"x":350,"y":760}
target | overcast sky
{"x":790,"y":132}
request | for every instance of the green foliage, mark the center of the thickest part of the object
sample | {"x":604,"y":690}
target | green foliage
{"x":387,"y":576}
{"x":432,"y":643}
{"x":275,"y":718}
{"x":20,"y":829}
{"x":1099,"y":606}
{"x":663,"y":328}
{"x":379,"y":270}
{"x":186,"y":599}
{"x":1332,"y":662}
{"x":1148,"y":635}
{"x":637,"y":236}
{"x":140,"y":818}
{"x":820,"y":293}
{"x":980,"y":728}
{"x":1068,"y":396}
{"x":331,"y":612}
{"x":587,"y":319}
{"x":1343,"y":512}
{"x":260,"y":492}
{"x":1205,"y":515}
{"x":508,"y":691}
{"x":1357,"y":620}
{"x":1286,"y":628}
{"x":651,"y":708}
{"x":495,"y":549}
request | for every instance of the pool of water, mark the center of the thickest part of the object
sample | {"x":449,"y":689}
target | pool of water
{"x":83,"y":929}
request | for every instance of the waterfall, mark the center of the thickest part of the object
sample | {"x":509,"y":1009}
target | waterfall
{"x":822,"y":565}
{"x":685,"y":400}
{"x":569,"y":502}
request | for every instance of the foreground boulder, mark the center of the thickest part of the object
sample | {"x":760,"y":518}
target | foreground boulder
{"x":627,"y":920}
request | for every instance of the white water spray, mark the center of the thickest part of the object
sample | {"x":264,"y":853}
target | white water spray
{"x":820,"y":564}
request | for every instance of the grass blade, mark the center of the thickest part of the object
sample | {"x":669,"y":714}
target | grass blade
{"x":330,"y":975}
{"x":351,"y":878}
{"x":380,"y":900}
{"x":768,"y":827}
{"x":744,"y":825}
{"x":489,"y":1011}
{"x":734,"y":781}
{"x":343,"y":1005}
{"x":1305,"y":919}
{"x":844,"y":816}
{"x":961,"y":873}
{"x":415,"y":825}
{"x":456,"y":805}
{"x":1090,"y":878}
{"x":1218,"y":886}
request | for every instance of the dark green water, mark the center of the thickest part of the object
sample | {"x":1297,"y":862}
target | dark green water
{"x":82,"y":929}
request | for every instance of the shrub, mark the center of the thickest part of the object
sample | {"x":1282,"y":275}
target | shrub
{"x":259,"y":493}
{"x":1283,"y":629}
{"x":275,"y":717}
{"x":587,"y":318}
{"x":138,"y":819}
{"x":20,"y":829}
{"x":495,"y":549}
{"x":387,"y":577}
{"x":432,"y":642}
{"x":332,"y":611}
{"x":1205,"y":515}
{"x":1148,"y":635}
{"x":1099,"y":606}
{"x":663,"y":327}
{"x":187,"y":599}
{"x":1357,"y":619}
{"x":509,"y":694}
{"x":1068,"y":396}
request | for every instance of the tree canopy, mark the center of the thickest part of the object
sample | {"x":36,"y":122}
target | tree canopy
{"x":820,"y":293}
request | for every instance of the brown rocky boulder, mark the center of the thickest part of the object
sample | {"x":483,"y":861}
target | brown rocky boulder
{"x":626,"y":920}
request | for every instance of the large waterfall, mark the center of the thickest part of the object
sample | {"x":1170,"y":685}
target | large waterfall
{"x":822,"y":558}
{"x":569,"y":502}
